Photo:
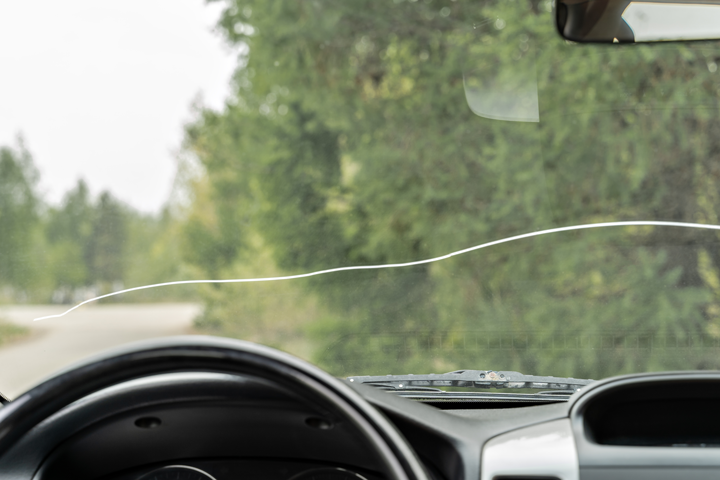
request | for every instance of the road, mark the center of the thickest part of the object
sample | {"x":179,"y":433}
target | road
{"x":55,"y":343}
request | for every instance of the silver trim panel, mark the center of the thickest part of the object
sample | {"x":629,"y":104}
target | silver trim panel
{"x":547,"y":449}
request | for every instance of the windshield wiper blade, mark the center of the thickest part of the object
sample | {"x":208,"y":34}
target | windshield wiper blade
{"x":472,"y":379}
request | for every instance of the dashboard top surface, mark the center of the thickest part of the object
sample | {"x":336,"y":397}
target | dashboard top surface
{"x":229,"y":422}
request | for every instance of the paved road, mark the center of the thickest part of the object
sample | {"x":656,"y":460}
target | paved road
{"x":56,"y":343}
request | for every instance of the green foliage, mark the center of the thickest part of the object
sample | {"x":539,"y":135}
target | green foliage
{"x":10,"y":331}
{"x":68,"y":231}
{"x":18,"y":216}
{"x":107,"y":242}
{"x":152,"y":255}
{"x":277,"y":314}
{"x":87,"y":241}
{"x":83,"y":246}
{"x":348,"y":140}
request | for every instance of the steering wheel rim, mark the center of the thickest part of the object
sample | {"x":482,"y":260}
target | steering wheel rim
{"x":208,"y":354}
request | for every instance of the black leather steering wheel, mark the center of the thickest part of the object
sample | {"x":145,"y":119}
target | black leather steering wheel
{"x":211,"y":354}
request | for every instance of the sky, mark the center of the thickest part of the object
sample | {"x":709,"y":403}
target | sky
{"x":100,"y":90}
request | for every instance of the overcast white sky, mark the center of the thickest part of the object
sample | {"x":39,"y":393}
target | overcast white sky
{"x":101,"y":89}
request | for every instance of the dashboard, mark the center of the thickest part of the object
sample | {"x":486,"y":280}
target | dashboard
{"x":209,"y":425}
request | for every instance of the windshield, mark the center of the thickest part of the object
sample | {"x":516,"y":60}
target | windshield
{"x":398,"y":174}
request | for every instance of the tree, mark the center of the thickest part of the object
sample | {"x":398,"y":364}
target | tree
{"x":349,"y":141}
{"x":18,"y":216}
{"x":106,"y":244}
{"x":68,"y":230}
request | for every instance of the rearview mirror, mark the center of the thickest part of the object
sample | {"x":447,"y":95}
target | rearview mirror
{"x":623,"y":21}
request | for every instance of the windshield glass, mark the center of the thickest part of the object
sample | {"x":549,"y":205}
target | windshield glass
{"x":393,"y":136}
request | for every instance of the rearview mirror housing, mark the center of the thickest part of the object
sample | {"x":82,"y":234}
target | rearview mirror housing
{"x":637,"y":21}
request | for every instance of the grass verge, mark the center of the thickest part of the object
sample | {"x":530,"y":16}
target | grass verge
{"x":10,"y":331}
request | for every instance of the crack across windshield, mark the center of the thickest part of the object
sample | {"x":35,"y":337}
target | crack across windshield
{"x":390,"y":265}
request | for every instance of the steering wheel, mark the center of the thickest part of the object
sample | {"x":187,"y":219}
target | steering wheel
{"x":211,"y":354}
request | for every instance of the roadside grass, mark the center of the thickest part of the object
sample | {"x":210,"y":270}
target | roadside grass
{"x":10,"y":332}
